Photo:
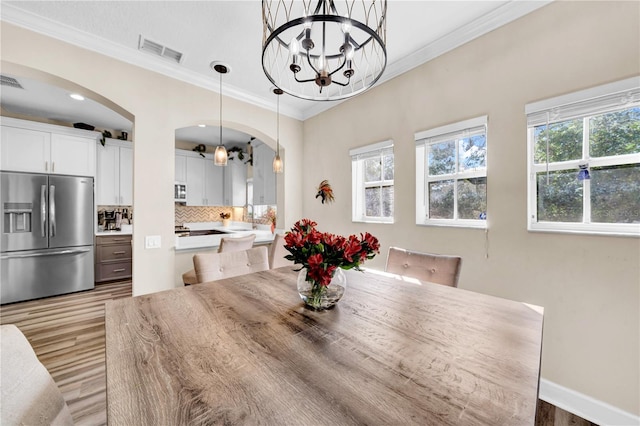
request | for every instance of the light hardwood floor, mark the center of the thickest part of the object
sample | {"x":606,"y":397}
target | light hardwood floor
{"x":67,"y":333}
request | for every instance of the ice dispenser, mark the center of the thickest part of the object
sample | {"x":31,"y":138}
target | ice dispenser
{"x":17,"y":217}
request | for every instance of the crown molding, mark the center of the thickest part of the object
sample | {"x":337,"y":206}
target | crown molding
{"x":496,"y":18}
{"x":480,"y":26}
{"x":82,"y":39}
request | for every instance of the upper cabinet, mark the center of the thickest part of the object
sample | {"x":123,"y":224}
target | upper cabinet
{"x":235,"y":183}
{"x":204,"y":179}
{"x":114,"y":180}
{"x":28,"y":146}
{"x":264,"y":179}
{"x":181,"y":167}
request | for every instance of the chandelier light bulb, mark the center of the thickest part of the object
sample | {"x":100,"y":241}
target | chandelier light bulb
{"x":294,"y":47}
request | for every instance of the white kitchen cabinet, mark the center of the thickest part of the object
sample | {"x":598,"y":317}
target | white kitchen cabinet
{"x":264,"y":179}
{"x":180,"y":167}
{"x":204,"y":181}
{"x":28,"y":146}
{"x":114,"y":180}
{"x":213,"y":183}
{"x":235,"y":183}
{"x":126,"y":176}
{"x":195,"y":182}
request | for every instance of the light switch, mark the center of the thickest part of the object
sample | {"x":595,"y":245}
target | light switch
{"x":152,"y":241}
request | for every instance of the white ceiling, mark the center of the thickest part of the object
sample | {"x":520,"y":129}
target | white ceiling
{"x":228,"y":31}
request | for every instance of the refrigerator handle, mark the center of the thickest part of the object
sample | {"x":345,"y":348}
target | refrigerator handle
{"x":43,"y":210}
{"x":6,"y":256}
{"x":52,"y":210}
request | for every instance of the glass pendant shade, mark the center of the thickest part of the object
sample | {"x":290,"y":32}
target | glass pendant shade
{"x":220,"y":156}
{"x":277,"y":164}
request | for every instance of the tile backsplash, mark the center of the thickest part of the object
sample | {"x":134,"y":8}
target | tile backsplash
{"x":202,"y":214}
{"x":212,"y":214}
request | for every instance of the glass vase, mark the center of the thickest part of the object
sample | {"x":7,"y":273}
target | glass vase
{"x":319,"y":297}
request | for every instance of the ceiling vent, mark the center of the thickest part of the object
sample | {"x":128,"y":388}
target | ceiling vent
{"x":157,"y":49}
{"x":10,"y":81}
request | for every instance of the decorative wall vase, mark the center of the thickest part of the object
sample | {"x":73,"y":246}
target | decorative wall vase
{"x":319,"y":297}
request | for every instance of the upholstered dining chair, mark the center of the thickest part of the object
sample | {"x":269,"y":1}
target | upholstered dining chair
{"x":236,"y":244}
{"x":227,"y":244}
{"x":216,"y":266}
{"x":28,"y":394}
{"x":429,"y":267}
{"x":277,"y":252}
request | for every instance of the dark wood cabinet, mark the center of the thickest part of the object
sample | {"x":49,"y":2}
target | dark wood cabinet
{"x":113,"y":257}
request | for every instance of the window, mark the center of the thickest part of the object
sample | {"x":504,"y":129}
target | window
{"x":451,"y":175}
{"x":584,"y":161}
{"x":372,"y":177}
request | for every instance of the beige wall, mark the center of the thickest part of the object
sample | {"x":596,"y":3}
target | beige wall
{"x":159,"y":106}
{"x":589,"y":285}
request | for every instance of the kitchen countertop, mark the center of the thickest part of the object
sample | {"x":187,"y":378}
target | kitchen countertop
{"x":235,"y":230}
{"x":108,"y":233}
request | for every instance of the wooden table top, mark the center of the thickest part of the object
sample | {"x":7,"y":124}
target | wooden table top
{"x":245,"y":351}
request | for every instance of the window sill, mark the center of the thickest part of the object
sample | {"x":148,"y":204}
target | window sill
{"x":458,"y":224}
{"x":593,"y":232}
{"x":382,"y":222}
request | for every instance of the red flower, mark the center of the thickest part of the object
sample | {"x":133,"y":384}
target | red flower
{"x":293,"y":239}
{"x":315,"y":260}
{"x":351,"y":248}
{"x":314,"y":237}
{"x":370,"y":241}
{"x":305,"y":225}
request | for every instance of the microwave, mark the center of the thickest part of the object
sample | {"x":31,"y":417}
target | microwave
{"x":180,"y":192}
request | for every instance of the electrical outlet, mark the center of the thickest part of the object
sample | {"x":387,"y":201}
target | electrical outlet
{"x":152,"y":241}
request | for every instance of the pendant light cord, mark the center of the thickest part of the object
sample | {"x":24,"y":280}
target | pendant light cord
{"x":278,"y":127}
{"x":220,"y":108}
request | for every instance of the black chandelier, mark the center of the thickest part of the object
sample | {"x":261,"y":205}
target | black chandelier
{"x":324,"y":50}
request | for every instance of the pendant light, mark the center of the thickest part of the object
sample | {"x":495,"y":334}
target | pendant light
{"x":220,"y":156}
{"x":277,"y":161}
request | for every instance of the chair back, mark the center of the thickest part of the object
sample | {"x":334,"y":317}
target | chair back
{"x":28,"y":395}
{"x":236,"y":244}
{"x":429,"y":267}
{"x":277,"y":252}
{"x":216,"y":266}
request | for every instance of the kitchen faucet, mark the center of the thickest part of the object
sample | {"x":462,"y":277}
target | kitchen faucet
{"x":253,"y":222}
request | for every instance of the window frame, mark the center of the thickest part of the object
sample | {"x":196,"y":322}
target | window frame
{"x":584,"y":105}
{"x":358,"y":184}
{"x":437,"y":135}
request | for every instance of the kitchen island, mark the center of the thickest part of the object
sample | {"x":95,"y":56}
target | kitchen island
{"x":187,"y":244}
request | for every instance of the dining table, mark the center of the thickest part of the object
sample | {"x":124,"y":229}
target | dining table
{"x":246,"y":351}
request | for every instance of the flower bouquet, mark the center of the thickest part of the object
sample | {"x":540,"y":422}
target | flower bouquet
{"x":322,"y":255}
{"x":225,"y":218}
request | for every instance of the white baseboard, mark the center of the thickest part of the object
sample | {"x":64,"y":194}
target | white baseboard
{"x":585,"y":406}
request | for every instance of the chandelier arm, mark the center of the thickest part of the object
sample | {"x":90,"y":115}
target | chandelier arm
{"x":340,"y":67}
{"x":341,"y":84}
{"x":303,"y":81}
{"x":311,"y":65}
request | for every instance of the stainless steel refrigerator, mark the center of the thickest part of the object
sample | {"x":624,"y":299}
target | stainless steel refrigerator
{"x":47,"y":235}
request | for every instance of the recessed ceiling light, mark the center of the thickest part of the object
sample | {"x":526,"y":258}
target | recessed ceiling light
{"x":77,"y":97}
{"x":202,"y":125}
